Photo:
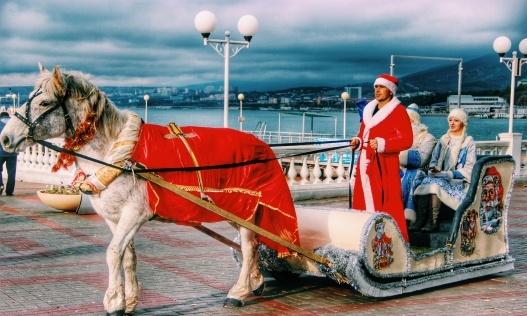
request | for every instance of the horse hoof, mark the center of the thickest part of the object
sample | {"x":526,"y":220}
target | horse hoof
{"x":119,"y":312}
{"x":259,"y":290}
{"x":232,"y":302}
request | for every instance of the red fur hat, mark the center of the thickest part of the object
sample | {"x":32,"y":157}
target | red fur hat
{"x":387,"y":81}
{"x":493,"y":176}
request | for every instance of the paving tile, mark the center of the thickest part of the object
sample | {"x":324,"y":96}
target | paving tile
{"x":53,"y":263}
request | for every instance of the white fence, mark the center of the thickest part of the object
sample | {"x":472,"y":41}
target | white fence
{"x":316,"y":171}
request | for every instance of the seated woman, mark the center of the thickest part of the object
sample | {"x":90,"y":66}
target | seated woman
{"x":449,"y":171}
{"x":411,"y":162}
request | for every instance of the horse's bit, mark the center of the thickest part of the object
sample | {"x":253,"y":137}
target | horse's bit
{"x":32,"y":125}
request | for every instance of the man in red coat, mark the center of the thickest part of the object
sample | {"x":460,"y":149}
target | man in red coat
{"x":384,"y":132}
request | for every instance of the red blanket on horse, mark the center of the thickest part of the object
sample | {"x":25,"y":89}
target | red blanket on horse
{"x":240,"y":190}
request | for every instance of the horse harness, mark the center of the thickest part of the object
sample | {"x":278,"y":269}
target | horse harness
{"x":61,"y":102}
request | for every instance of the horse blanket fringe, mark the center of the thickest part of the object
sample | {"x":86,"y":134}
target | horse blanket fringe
{"x":241,"y":190}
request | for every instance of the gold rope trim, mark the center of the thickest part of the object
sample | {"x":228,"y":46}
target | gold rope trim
{"x":174,"y":129}
{"x":276,"y":209}
{"x":193,"y":188}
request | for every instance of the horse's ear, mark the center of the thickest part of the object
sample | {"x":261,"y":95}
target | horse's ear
{"x":58,"y":81}
{"x":41,"y":67}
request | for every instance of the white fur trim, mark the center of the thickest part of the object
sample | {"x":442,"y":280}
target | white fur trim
{"x":365,"y":181}
{"x":410,"y":215}
{"x":403,"y":158}
{"x":414,"y":116}
{"x":387,"y":83}
{"x":381,"y":144}
{"x":371,"y":121}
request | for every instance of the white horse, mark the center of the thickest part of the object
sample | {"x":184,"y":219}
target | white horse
{"x":123,"y":204}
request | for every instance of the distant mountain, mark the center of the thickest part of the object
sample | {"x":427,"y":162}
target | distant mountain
{"x":483,"y":73}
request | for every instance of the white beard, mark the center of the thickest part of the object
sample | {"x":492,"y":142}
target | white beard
{"x":489,"y":204}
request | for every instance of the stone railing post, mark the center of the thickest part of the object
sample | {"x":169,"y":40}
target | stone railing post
{"x":514,"y":148}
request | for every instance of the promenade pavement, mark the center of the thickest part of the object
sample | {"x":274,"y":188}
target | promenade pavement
{"x":53,"y":263}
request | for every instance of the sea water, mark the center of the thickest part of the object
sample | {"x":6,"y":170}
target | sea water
{"x":480,"y":129}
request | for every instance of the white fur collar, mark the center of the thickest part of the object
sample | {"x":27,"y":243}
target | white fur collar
{"x":370,"y":120}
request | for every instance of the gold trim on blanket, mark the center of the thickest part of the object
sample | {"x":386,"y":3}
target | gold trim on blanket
{"x":174,"y":129}
{"x":277,"y":209}
{"x":193,"y":188}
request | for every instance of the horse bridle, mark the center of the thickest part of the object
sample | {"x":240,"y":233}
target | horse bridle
{"x":61,"y":102}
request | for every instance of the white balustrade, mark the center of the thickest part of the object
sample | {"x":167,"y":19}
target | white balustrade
{"x":340,"y":170}
{"x":304,"y":172}
{"x":328,"y":171}
{"x":316,"y":173}
{"x":292,"y":173}
{"x":491,"y":147}
{"x":34,"y":164}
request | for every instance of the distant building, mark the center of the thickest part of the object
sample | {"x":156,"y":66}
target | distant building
{"x":285,"y":100}
{"x":477,"y":105}
{"x":439,"y":107}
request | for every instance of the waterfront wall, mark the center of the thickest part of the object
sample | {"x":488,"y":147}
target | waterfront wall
{"x":309,"y":176}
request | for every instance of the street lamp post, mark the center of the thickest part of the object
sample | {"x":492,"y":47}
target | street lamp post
{"x":345,"y":97}
{"x":241,"y":97}
{"x":146,"y":97}
{"x":501,"y":46}
{"x":205,"y":23}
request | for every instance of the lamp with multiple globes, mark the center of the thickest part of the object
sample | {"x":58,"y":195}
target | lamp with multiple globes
{"x":502,"y":45}
{"x":205,"y":23}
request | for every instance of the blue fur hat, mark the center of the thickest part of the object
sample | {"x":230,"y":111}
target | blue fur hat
{"x":361,"y":104}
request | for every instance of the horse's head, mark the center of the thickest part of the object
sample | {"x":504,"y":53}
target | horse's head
{"x":52,"y":110}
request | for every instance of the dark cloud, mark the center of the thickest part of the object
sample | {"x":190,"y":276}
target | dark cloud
{"x":305,"y":42}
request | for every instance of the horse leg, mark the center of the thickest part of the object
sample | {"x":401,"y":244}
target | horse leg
{"x":245,"y":284}
{"x":256,"y":278}
{"x":129,"y":222}
{"x":131,"y":287}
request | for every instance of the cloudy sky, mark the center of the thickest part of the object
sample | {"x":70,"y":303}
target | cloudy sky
{"x":299,"y":42}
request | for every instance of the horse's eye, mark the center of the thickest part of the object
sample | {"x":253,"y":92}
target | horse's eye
{"x":44,"y":103}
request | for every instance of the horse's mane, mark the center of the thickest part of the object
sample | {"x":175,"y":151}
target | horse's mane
{"x":86,"y":97}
